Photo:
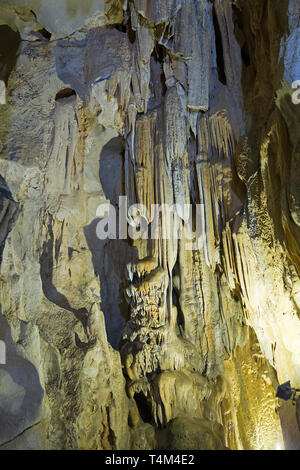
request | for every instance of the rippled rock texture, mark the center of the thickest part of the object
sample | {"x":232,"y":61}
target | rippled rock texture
{"x":144,"y":343}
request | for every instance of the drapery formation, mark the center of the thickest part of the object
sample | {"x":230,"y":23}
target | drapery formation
{"x":161,"y":342}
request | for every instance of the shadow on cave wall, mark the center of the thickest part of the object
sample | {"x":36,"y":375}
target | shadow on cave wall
{"x":110,"y":257}
{"x":49,"y":289}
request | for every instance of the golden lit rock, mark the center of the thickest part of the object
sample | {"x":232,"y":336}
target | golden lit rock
{"x":149,"y":114}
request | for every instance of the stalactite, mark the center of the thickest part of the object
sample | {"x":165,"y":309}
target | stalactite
{"x":182,"y":103}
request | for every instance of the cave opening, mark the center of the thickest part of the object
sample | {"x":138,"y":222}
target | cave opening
{"x":176,"y":297}
{"x":45,"y":34}
{"x":158,"y":55}
{"x":65,"y":93}
{"x":125,"y":27}
{"x":219,"y":49}
{"x":9,"y":44}
{"x":144,"y":406}
{"x":245,"y":55}
{"x":180,"y":316}
{"x":121,"y":27}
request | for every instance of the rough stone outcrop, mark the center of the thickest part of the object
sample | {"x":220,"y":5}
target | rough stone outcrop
{"x":149,"y":343}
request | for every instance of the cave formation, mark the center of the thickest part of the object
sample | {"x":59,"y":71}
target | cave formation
{"x":149,"y":342}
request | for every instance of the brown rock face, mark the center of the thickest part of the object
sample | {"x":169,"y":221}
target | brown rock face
{"x":149,"y":224}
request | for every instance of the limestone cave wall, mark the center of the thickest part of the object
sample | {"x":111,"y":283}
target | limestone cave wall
{"x":140,"y":342}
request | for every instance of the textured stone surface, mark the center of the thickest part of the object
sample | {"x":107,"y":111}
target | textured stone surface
{"x":144,"y":344}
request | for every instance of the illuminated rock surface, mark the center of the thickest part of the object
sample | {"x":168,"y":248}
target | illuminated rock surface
{"x":144,"y":344}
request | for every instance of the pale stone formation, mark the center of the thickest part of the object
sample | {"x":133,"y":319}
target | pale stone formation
{"x":147,"y":343}
{"x":2,"y":92}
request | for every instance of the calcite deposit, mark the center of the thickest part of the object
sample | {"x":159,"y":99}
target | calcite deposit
{"x":149,"y":338}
